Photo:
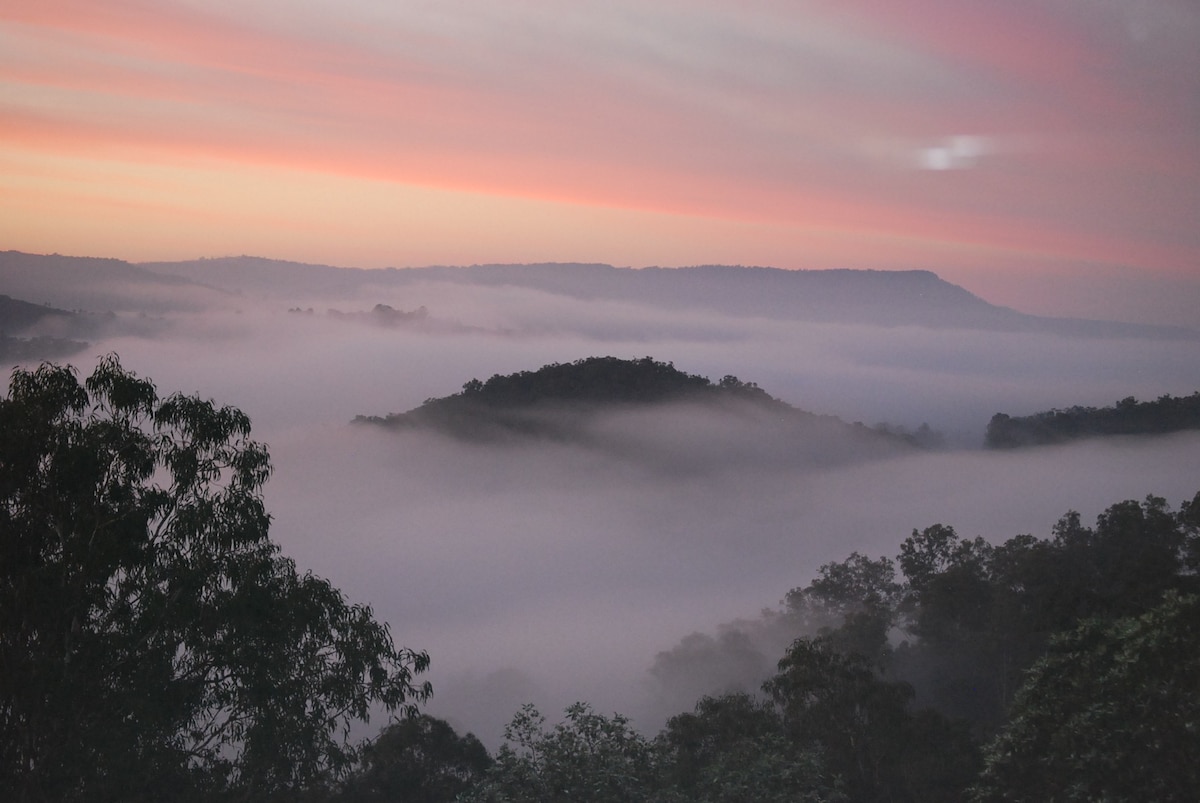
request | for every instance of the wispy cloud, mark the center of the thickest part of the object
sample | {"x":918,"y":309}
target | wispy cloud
{"x":859,"y":134}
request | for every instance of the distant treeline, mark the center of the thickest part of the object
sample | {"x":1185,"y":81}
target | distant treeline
{"x":1126,"y":417}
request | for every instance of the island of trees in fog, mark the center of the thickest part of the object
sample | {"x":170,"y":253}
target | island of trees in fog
{"x":559,"y":399}
{"x":1126,"y":417}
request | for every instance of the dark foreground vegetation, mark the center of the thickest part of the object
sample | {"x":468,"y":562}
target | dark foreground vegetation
{"x":155,"y":645}
{"x":1126,"y":417}
{"x":1062,"y":669}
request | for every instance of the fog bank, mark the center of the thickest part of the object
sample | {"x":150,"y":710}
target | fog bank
{"x":551,"y":572}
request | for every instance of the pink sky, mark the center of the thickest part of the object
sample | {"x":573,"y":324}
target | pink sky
{"x":1019,"y":147}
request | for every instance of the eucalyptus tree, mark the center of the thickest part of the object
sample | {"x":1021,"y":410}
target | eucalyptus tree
{"x":153,"y":640}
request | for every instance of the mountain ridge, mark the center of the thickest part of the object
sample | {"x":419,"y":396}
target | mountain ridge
{"x":916,"y":297}
{"x":885,"y":298}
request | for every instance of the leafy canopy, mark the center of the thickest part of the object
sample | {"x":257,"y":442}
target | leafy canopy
{"x":152,"y":637}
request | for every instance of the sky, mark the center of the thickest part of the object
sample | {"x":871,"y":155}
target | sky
{"x":1043,"y":153}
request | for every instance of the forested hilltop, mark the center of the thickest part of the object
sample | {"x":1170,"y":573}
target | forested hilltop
{"x":561,"y":399}
{"x":585,"y":385}
{"x":1126,"y":417}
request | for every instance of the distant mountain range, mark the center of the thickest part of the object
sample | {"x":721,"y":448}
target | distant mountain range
{"x":880,"y":298}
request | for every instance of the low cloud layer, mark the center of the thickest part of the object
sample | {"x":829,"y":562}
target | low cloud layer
{"x":572,"y":570}
{"x":551,"y":572}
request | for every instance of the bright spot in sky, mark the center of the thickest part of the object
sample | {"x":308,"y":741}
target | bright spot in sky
{"x":954,"y":153}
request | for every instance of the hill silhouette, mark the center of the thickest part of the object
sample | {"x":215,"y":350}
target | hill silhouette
{"x":871,"y":297}
{"x":644,"y":410}
{"x":590,"y":384}
{"x":31,"y":332}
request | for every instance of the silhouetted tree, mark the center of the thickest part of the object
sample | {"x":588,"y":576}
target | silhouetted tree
{"x":419,"y":759}
{"x":153,"y":641}
{"x":588,"y":757}
{"x":868,"y":735}
{"x":735,"y":748}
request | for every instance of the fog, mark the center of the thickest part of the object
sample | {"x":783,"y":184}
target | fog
{"x":550,"y":572}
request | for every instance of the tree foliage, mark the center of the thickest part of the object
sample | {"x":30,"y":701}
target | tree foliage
{"x":865,"y":725}
{"x":736,"y":747}
{"x":587,"y":757}
{"x":152,"y":637}
{"x":1111,"y":712}
{"x":419,"y":759}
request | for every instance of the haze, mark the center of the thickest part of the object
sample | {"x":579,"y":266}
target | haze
{"x":551,"y":572}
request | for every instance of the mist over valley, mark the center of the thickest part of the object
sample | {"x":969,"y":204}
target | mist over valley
{"x":550,"y":570}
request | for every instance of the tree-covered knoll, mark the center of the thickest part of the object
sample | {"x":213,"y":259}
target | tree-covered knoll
{"x":558,"y":401}
{"x":1126,"y":417}
{"x":592,"y":381}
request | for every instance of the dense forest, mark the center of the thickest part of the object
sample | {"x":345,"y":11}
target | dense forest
{"x":155,"y":644}
{"x":1126,"y":417}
